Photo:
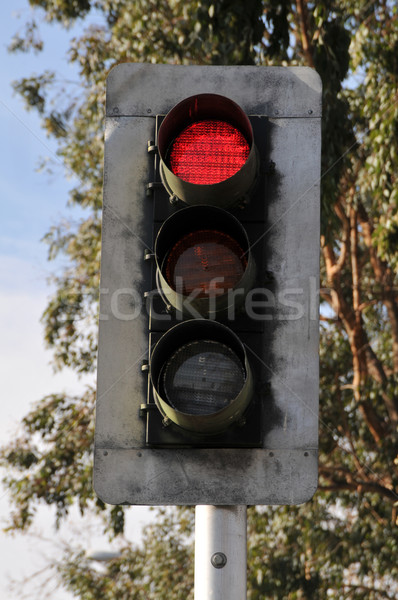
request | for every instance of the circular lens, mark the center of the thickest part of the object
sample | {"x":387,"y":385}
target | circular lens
{"x":202,"y":377}
{"x":205,"y":260}
{"x":208,"y":152}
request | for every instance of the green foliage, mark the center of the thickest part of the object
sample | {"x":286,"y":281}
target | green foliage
{"x":55,"y":447}
{"x":30,"y":40}
{"x":63,"y":10}
{"x":162,"y":566}
{"x":71,"y":316}
{"x":342,"y":544}
{"x":306,"y":552}
{"x":33,"y":90}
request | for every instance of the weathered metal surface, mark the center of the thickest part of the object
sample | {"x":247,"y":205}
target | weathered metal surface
{"x":142,"y":89}
{"x":284,"y":471}
{"x":206,"y":476}
{"x":220,"y":552}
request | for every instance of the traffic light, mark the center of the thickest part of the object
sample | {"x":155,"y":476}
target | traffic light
{"x":200,"y":374}
{"x":207,"y":367}
{"x":207,"y":151}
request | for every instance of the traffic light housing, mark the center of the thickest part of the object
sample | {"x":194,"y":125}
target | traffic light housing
{"x":208,"y":345}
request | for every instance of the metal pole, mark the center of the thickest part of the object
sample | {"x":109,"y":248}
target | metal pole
{"x":220,"y":552}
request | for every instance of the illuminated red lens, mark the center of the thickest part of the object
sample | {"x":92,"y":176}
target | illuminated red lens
{"x":208,"y":152}
{"x":205,"y":261}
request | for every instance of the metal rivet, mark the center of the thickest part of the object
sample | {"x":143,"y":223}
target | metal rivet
{"x":149,"y":110}
{"x":306,"y":453}
{"x":105,"y":452}
{"x":310,"y":111}
{"x":218,"y":560}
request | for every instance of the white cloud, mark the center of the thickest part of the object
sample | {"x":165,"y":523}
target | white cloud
{"x":26,"y":376}
{"x":25,"y":371}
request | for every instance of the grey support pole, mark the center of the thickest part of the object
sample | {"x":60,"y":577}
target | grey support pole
{"x":220,"y":552}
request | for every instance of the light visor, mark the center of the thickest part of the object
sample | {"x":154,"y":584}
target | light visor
{"x":201,"y":378}
{"x":202,"y":257}
{"x":207,"y":152}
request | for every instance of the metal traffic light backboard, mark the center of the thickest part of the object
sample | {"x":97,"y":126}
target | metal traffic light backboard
{"x":208,"y":337}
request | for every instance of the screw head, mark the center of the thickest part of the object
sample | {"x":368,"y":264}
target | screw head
{"x":218,"y":560}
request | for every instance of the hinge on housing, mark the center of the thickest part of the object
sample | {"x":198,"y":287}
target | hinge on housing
{"x":152,"y":147}
{"x":145,"y":408}
{"x":153,"y":186}
{"x":148,"y":254}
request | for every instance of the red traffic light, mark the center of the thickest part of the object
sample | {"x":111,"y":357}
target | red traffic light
{"x":207,"y":151}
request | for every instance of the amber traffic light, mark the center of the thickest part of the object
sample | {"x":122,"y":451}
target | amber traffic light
{"x":204,"y":262}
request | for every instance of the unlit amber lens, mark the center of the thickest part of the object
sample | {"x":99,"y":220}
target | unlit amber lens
{"x":208,"y":152}
{"x":205,"y":262}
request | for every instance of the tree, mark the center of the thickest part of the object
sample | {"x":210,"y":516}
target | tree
{"x":344,"y":542}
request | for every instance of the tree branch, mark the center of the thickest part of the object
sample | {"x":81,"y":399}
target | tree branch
{"x":304,"y":32}
{"x":384,"y":277}
{"x":358,"y":486}
{"x":340,"y":262}
{"x":352,"y":321}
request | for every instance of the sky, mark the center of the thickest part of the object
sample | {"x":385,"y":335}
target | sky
{"x":30,"y":203}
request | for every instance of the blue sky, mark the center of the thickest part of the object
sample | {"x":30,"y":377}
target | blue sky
{"x":30,"y":203}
